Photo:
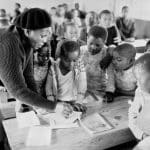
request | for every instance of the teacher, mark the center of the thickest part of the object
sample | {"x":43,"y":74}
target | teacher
{"x":30,"y":31}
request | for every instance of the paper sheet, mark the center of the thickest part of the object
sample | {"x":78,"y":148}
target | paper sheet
{"x":57,"y":120}
{"x":27,"y":119}
{"x":39,"y":136}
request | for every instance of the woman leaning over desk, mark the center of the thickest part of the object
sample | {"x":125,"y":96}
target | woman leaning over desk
{"x":30,"y":31}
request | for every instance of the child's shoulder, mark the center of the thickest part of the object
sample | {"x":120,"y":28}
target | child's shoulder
{"x":83,"y":49}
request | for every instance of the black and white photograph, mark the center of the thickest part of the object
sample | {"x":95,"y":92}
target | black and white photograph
{"x":74,"y":74}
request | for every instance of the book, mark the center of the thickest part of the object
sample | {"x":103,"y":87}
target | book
{"x":95,"y":123}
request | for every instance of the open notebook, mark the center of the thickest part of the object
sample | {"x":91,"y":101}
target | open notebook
{"x":95,"y":123}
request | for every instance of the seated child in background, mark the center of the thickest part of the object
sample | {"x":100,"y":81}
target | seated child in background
{"x":82,"y":27}
{"x":121,"y":81}
{"x":41,"y":65}
{"x":139,"y":112}
{"x":66,"y":81}
{"x":126,"y":25}
{"x":92,"y":54}
{"x":106,"y":20}
{"x":71,"y":33}
{"x":91,"y":19}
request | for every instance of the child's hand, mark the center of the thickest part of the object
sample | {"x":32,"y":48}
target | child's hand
{"x":109,"y":97}
{"x":117,"y":40}
{"x":79,"y":107}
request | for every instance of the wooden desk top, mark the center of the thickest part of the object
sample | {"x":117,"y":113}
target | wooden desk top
{"x":78,"y":138}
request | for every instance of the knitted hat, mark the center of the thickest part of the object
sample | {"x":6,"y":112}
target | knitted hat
{"x":33,"y":19}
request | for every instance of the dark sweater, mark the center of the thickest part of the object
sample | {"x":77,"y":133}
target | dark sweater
{"x":127,"y":29}
{"x":16,"y":70}
{"x":112,"y":33}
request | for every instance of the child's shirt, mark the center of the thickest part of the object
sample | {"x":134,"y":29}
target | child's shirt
{"x":120,"y":80}
{"x":40,"y":74}
{"x":67,"y":87}
{"x":139,"y":114}
{"x":96,"y":77}
{"x":127,"y":29}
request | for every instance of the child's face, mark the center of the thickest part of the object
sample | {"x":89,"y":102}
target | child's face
{"x":68,"y":62}
{"x":72,"y":33}
{"x":125,"y":12}
{"x":43,"y":56}
{"x":95,"y":45}
{"x":120,"y":62}
{"x":106,"y":20}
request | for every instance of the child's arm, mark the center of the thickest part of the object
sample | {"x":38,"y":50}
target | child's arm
{"x":110,"y":86}
{"x":133,"y":114}
{"x":82,"y":82}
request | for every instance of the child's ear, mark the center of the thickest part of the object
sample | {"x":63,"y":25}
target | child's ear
{"x":27,"y":32}
{"x":132,"y":60}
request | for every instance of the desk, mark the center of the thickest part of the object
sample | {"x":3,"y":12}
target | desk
{"x":139,"y":44}
{"x":78,"y":138}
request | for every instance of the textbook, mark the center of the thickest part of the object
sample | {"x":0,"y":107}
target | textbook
{"x":95,"y":123}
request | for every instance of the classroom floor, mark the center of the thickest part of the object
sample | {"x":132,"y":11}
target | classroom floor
{"x":126,"y":146}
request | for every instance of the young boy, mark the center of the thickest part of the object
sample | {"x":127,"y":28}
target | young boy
{"x":41,"y":65}
{"x":139,"y":114}
{"x":121,"y":81}
{"x":126,"y":25}
{"x":92,"y":54}
{"x":106,"y":20}
{"x":66,"y":79}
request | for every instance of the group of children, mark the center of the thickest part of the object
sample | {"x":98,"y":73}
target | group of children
{"x":80,"y":60}
{"x":77,"y":72}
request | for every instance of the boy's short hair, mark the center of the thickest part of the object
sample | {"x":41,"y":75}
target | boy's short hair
{"x":143,"y":63}
{"x":98,"y":32}
{"x":66,"y":46}
{"x":126,"y":50}
{"x":53,"y":7}
{"x":18,"y":4}
{"x":125,"y":7}
{"x":104,"y":12}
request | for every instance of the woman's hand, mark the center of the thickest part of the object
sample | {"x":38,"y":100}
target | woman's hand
{"x":67,"y":110}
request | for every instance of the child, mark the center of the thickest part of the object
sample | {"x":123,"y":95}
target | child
{"x":106,"y":20}
{"x":121,"y":81}
{"x":66,"y":79}
{"x":41,"y":65}
{"x":139,"y":114}
{"x":126,"y":25}
{"x":91,"y":19}
{"x":71,"y":33}
{"x":92,"y":54}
